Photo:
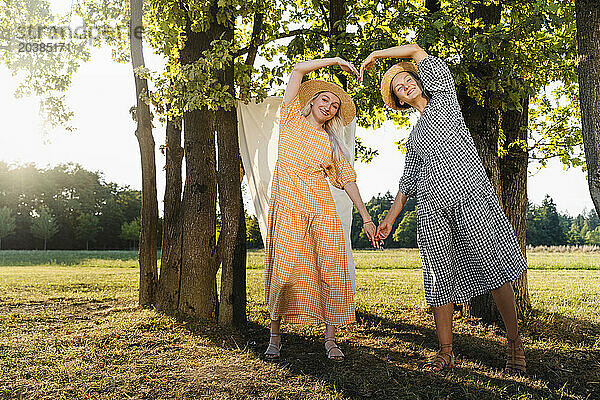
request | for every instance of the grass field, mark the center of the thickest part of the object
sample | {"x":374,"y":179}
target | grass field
{"x":364,"y":259}
{"x":70,"y":329}
{"x":409,"y":258}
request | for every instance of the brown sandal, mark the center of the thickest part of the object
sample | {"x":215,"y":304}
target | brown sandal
{"x":515,"y":358}
{"x":442,"y":360}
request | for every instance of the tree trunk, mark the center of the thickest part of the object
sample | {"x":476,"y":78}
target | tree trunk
{"x":231,"y":249}
{"x":587,"y":14}
{"x":149,"y":218}
{"x":483,"y":123}
{"x":167,"y":296}
{"x":513,"y":175}
{"x":337,"y":26}
{"x":198,"y":295}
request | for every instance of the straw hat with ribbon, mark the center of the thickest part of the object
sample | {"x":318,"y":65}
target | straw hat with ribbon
{"x":386,"y":82}
{"x":309,"y":88}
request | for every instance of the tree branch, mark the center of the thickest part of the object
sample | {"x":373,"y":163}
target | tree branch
{"x":281,"y":35}
{"x":325,"y":15}
{"x":253,"y":47}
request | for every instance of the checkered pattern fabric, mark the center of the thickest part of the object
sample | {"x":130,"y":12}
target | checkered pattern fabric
{"x":306,"y":269}
{"x":304,"y":159}
{"x":466,"y":243}
{"x":467,"y":249}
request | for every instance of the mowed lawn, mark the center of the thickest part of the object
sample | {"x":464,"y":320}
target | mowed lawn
{"x":70,"y":328}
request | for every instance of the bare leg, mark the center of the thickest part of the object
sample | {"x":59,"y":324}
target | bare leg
{"x":505,"y":301}
{"x":333,"y":352}
{"x":442,"y":316}
{"x":443,"y":323}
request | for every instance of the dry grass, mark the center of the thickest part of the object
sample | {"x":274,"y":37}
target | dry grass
{"x":76,"y":333}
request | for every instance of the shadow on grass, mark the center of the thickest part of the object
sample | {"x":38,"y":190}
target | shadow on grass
{"x":383,"y":355}
{"x":63,"y":257}
{"x":393,"y":371}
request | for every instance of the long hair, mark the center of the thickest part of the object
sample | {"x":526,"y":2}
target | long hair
{"x":424,"y":92}
{"x":334,"y":128}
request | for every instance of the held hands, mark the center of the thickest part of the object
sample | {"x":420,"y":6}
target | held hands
{"x":384,"y":229}
{"x":367,"y":64}
{"x":371,"y":231}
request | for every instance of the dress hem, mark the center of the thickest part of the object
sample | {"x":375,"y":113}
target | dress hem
{"x":310,"y":319}
{"x":478,"y":291}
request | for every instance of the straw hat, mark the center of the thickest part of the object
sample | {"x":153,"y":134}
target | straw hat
{"x":386,"y":92}
{"x":309,"y":88}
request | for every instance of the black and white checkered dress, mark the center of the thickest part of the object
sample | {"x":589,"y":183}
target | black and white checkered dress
{"x":466,"y":243}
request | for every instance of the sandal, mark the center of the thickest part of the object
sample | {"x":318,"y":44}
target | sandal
{"x":273,"y":351}
{"x":442,"y":360}
{"x":336,"y":358}
{"x":515,"y":358}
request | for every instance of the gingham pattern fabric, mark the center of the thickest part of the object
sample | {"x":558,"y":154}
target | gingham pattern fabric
{"x":304,"y":159}
{"x":466,"y":243}
{"x":306,"y":269}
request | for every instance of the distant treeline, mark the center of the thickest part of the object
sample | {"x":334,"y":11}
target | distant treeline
{"x":545,"y":226}
{"x":65,"y":207}
{"x":68,"y":207}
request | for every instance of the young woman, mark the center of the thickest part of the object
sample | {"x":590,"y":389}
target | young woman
{"x":466,"y":243}
{"x":306,"y":275}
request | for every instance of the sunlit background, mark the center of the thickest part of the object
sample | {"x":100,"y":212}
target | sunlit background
{"x":102,"y":92}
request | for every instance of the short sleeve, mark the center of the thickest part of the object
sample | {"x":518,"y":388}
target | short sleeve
{"x":412,"y":167}
{"x":288,"y":111}
{"x":341,"y":172}
{"x":435,"y":75}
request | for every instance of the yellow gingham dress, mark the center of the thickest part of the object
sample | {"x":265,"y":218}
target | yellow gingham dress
{"x":306,"y":269}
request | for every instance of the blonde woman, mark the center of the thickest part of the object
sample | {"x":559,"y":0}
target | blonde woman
{"x":467,"y":245}
{"x":306,"y":275}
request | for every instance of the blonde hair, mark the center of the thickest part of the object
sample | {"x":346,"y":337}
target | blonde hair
{"x":334,"y":128}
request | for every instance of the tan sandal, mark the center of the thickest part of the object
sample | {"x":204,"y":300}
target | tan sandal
{"x":515,"y":357}
{"x":336,"y":358}
{"x":442,"y":360}
{"x":273,"y":351}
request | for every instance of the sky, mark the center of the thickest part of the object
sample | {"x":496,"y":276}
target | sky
{"x":102,"y":92}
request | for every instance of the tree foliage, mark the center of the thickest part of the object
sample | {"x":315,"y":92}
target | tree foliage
{"x":7,"y":223}
{"x":406,"y":233}
{"x":546,"y":226}
{"x":42,"y":52}
{"x":43,"y":225}
{"x":130,"y":231}
{"x":253,"y":237}
{"x":68,"y":191}
{"x":87,"y":229}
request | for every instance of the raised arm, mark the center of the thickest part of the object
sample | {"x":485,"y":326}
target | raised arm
{"x":405,"y":51}
{"x":304,"y":67}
